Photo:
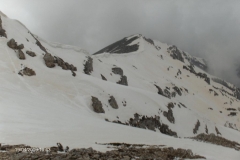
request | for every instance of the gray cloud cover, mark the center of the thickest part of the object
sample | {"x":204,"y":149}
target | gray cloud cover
{"x":204,"y":28}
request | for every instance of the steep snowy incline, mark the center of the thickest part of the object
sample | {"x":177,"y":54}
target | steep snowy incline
{"x":205,"y":100}
{"x":146,"y":90}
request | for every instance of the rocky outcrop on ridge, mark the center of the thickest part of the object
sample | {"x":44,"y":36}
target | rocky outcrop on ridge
{"x":2,"y":31}
{"x":175,"y":53}
{"x":88,"y":66}
{"x":121,"y":46}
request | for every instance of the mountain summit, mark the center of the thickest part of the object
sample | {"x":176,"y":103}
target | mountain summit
{"x":134,"y":91}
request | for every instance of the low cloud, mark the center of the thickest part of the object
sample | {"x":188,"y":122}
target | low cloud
{"x":208,"y":29}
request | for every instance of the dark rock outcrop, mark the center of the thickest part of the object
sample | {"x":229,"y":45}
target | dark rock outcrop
{"x":169,"y":115}
{"x":12,"y":44}
{"x":217,"y":131}
{"x":175,"y":53}
{"x":166,"y":130}
{"x":197,"y":125}
{"x":151,"y":42}
{"x":232,"y":114}
{"x":123,"y":81}
{"x":28,"y":72}
{"x":2,"y":31}
{"x":121,"y":46}
{"x":73,"y":74}
{"x":206,"y":129}
{"x":151,"y":123}
{"x":160,"y":91}
{"x":64,"y":65}
{"x":145,"y":122}
{"x":117,"y":70}
{"x":21,"y":46}
{"x":199,"y":74}
{"x":103,"y":78}
{"x":203,"y":66}
{"x":21,"y":55}
{"x":97,"y":105}
{"x":167,"y":93}
{"x":212,"y":138}
{"x":170,"y":105}
{"x":177,"y":90}
{"x":207,"y":80}
{"x":49,"y":60}
{"x":113,"y":103}
{"x":88,"y":66}
{"x":30,"y":53}
{"x":60,"y":147}
{"x":39,"y":44}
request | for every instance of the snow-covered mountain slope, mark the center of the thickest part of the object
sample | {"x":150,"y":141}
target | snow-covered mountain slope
{"x":153,"y":90}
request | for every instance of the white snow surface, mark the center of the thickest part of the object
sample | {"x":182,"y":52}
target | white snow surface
{"x":54,"y":106}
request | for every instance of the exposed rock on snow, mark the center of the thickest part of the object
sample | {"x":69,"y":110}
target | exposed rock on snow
{"x":103,"y":78}
{"x":97,"y":105}
{"x":21,"y":55}
{"x":28,"y":72}
{"x":113,"y":103}
{"x":2,"y":31}
{"x":49,"y":60}
{"x":217,"y":131}
{"x":206,"y":129}
{"x":169,"y":115}
{"x":151,"y":123}
{"x":12,"y":44}
{"x":117,"y":70}
{"x":123,"y":81}
{"x":212,"y":138}
{"x":159,"y":90}
{"x":177,"y":90}
{"x":145,"y":122}
{"x":30,"y":53}
{"x":170,"y":105}
{"x":88,"y":66}
{"x":175,"y":53}
{"x":197,"y":125}
{"x":64,"y":65}
{"x":60,"y":147}
{"x":73,"y":73}
{"x":122,"y":46}
{"x":166,"y":130}
{"x":21,"y":46}
{"x":39,"y":44}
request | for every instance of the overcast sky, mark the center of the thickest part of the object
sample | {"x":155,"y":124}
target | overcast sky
{"x":206,"y":28}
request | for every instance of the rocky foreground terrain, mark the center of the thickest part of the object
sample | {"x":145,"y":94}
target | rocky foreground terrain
{"x":121,"y":151}
{"x":118,"y":151}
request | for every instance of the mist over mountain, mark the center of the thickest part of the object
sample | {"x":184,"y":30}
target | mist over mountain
{"x":207,"y":29}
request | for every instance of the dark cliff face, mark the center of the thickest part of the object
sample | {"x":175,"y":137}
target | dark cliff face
{"x":199,"y":64}
{"x":121,"y":46}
